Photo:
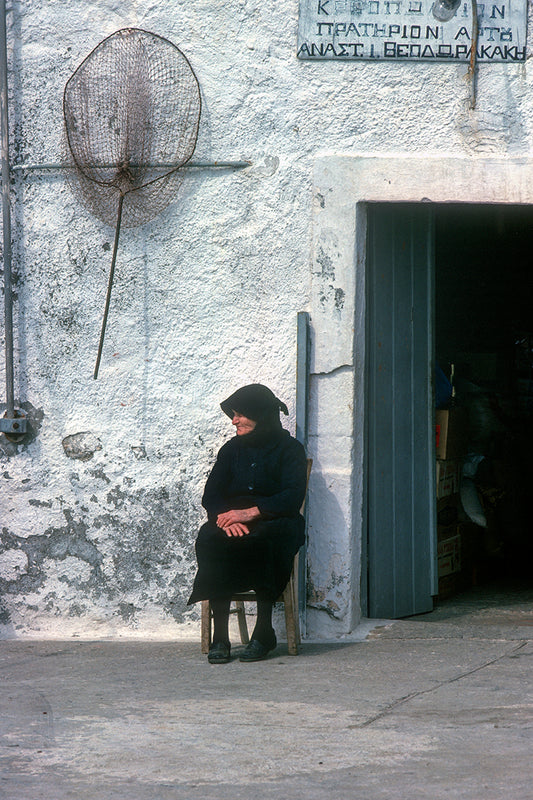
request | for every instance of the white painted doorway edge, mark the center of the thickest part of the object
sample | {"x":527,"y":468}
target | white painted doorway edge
{"x":342,"y":186}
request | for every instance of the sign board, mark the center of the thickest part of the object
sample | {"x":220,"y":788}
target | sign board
{"x":416,"y":30}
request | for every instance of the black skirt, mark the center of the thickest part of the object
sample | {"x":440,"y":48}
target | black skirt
{"x":260,"y":561}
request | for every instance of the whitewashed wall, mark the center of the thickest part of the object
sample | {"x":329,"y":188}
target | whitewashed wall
{"x":205,"y":300}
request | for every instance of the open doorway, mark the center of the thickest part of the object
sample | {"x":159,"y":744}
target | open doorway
{"x":448,"y":304}
{"x":484,"y":345}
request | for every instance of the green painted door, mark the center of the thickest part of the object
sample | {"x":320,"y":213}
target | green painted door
{"x":401,"y":546}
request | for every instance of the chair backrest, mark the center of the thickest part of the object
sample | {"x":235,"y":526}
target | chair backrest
{"x":309,"y":465}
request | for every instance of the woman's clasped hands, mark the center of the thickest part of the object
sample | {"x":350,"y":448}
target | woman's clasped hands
{"x":233,"y":522}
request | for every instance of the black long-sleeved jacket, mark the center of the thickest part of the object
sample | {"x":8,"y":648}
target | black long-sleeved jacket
{"x":271,"y":477}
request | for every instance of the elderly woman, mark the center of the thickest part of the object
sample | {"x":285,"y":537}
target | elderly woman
{"x":252,"y":498}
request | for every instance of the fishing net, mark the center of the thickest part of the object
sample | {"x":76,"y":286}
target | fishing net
{"x":131,"y":112}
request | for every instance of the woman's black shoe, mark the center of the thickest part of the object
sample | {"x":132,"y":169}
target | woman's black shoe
{"x":219,"y":653}
{"x":255,"y":651}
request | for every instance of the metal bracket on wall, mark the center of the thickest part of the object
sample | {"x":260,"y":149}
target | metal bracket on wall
{"x":14,"y":427}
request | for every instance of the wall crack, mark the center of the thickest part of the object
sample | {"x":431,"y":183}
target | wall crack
{"x":336,"y":370}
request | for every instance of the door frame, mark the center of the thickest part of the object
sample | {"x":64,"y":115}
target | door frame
{"x":342,"y":187}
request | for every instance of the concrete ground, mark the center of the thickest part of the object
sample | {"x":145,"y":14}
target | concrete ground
{"x":436,"y":706}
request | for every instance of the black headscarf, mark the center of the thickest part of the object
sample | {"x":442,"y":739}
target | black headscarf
{"x":261,"y":405}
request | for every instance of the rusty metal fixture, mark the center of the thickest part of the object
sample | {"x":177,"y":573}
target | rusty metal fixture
{"x":132,"y":112}
{"x":472,"y":67}
{"x":14,"y":427}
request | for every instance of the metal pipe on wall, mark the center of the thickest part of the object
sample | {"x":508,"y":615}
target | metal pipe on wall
{"x":6,"y":214}
{"x":13,"y":423}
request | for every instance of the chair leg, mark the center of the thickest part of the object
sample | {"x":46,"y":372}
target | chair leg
{"x":241,"y":619}
{"x":296,"y":612}
{"x":291,"y":620}
{"x":295,"y":597}
{"x":206,"y":626}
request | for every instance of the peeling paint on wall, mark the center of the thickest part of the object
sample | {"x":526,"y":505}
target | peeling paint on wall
{"x":330,"y":596}
{"x":114,"y":554}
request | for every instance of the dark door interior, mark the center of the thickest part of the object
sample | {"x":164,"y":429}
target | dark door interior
{"x":484,"y":328}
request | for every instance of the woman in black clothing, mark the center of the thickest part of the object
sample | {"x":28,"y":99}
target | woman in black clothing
{"x":252,"y":498}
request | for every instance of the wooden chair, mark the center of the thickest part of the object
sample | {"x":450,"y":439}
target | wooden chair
{"x":289,"y":598}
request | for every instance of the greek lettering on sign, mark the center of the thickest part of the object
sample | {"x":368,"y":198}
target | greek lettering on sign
{"x":411,"y":29}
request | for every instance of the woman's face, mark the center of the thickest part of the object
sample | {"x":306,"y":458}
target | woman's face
{"x":242,"y":424}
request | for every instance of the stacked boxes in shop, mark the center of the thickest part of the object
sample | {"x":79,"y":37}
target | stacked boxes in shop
{"x":451,"y":437}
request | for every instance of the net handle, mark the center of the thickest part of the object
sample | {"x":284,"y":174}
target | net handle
{"x":109,"y":286}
